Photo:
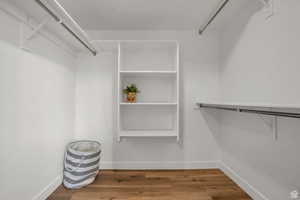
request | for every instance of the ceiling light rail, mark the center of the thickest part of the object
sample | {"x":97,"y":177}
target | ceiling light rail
{"x":78,"y":34}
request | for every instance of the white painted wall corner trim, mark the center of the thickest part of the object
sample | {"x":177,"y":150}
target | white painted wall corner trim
{"x":247,"y":187}
{"x":159,"y":165}
{"x":49,"y":189}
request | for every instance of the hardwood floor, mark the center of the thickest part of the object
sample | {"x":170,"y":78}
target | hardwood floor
{"x":209,"y":184}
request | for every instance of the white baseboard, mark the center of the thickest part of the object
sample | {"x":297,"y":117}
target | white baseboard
{"x":253,"y":192}
{"x":49,"y":189}
{"x":159,"y":165}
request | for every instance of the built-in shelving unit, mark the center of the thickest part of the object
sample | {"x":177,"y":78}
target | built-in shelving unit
{"x":154,"y":67}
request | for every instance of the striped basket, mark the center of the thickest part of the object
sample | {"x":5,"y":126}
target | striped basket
{"x":81,"y":163}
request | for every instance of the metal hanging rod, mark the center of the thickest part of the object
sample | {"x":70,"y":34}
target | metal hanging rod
{"x":267,"y":3}
{"x":61,"y":22}
{"x":213,"y":16}
{"x":247,"y":109}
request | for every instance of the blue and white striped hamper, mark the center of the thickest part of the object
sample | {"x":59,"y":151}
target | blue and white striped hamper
{"x":81,"y":163}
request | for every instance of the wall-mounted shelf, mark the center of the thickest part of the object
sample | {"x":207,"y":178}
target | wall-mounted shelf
{"x":57,"y":26}
{"x":148,"y":104}
{"x":147,"y":73}
{"x":62,"y":17}
{"x":153,"y":67}
{"x":263,"y":109}
{"x":147,"y":133}
{"x":289,"y":111}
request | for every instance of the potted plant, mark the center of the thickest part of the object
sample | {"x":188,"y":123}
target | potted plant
{"x":131,"y":91}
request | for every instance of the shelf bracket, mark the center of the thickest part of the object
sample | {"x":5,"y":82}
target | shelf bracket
{"x":21,"y":38}
{"x":25,"y":37}
{"x":273,"y":126}
{"x":268,"y":8}
{"x":265,"y":2}
{"x":37,"y":29}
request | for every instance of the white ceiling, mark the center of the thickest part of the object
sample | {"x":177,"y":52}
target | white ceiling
{"x":140,"y":14}
{"x":134,"y":15}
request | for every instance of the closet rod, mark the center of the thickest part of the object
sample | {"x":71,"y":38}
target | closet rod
{"x":85,"y":44}
{"x":248,"y":110}
{"x":213,"y":16}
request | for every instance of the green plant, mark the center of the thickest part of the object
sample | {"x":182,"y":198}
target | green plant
{"x":131,"y":89}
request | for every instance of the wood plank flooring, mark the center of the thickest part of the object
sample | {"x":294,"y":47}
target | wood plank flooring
{"x":211,"y":184}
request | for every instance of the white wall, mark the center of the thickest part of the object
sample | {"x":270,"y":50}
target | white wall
{"x":37,"y":114}
{"x":96,"y":101}
{"x":260,"y":64}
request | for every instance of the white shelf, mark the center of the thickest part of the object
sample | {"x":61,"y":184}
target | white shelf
{"x":253,"y":105}
{"x":148,"y":72}
{"x":148,"y":104}
{"x":148,"y":41}
{"x":149,"y":135}
{"x":154,"y":67}
{"x":263,"y":109}
{"x":143,"y":133}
